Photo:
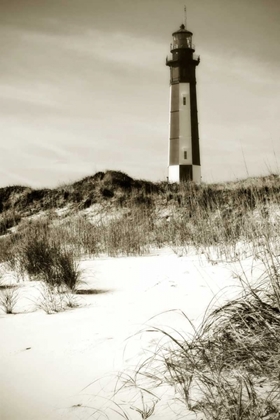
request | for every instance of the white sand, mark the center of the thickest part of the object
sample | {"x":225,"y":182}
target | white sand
{"x":48,"y":360}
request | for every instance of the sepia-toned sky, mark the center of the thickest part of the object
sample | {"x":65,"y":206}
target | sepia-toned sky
{"x":84,"y":87}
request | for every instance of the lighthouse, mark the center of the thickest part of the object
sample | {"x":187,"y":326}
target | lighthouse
{"x":183,"y":144}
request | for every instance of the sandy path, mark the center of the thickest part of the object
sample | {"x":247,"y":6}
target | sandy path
{"x":47,"y":360}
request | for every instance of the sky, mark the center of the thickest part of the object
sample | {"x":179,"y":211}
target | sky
{"x":84,"y":88}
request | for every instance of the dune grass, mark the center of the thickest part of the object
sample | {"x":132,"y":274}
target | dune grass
{"x":8,"y":298}
{"x":230,"y":368}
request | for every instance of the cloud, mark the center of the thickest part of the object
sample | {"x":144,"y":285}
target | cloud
{"x":119,"y":48}
{"x":38,"y":93}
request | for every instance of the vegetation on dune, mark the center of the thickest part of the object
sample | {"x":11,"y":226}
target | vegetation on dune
{"x":81,"y":194}
{"x":230,"y":369}
{"x":135,"y":215}
{"x":9,"y":219}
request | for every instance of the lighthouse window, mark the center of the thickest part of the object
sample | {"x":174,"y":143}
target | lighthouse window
{"x":185,"y":155}
{"x":175,"y":74}
{"x":184,"y":100}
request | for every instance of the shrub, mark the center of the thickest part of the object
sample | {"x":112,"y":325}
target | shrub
{"x":117,"y":179}
{"x":106,"y":193}
{"x":8,"y":220}
{"x":6,"y":245}
{"x":42,"y":255}
{"x":54,"y":299}
{"x":51,"y":263}
{"x":8,"y":298}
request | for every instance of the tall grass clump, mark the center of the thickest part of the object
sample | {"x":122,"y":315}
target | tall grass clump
{"x":79,"y":234}
{"x":54,"y":299}
{"x":8,"y":295}
{"x":229,"y":370}
{"x":8,"y":298}
{"x":8,"y":220}
{"x":40,"y":254}
{"x":128,"y":234}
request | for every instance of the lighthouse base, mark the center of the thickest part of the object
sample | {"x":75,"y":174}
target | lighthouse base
{"x":183,"y":173}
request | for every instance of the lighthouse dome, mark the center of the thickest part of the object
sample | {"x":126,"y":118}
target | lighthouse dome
{"x":182,"y":38}
{"x":182,"y":30}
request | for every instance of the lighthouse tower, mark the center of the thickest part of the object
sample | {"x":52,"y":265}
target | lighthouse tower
{"x":183,"y":145}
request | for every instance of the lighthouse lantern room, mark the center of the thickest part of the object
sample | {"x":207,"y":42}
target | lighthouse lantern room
{"x":183,"y":145}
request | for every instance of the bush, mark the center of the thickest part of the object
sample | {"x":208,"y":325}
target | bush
{"x":8,"y":298}
{"x":52,"y":300}
{"x":117,"y":179}
{"x":106,"y":193}
{"x":51,"y":263}
{"x":6,"y":245}
{"x":41,"y":254}
{"x":8,"y":220}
